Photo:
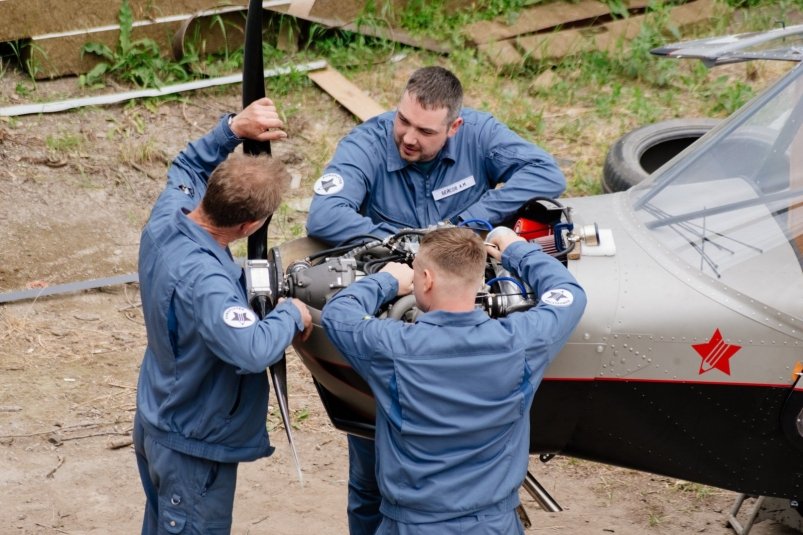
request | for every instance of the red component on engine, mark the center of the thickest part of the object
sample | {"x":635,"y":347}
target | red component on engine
{"x":529,"y":229}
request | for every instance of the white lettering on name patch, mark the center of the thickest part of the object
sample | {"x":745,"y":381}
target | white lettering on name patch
{"x":451,"y":189}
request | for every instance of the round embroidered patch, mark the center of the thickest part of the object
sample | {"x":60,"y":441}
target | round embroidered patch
{"x":558,"y":298}
{"x":328,"y":184}
{"x":239,"y":317}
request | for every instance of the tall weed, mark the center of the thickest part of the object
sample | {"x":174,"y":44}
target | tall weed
{"x":139,"y":62}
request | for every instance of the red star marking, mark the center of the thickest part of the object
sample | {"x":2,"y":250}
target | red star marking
{"x":716,"y":354}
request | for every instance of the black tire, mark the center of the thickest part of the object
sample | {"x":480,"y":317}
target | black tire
{"x":638,"y":153}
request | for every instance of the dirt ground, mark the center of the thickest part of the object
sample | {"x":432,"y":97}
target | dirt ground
{"x":76,"y":189}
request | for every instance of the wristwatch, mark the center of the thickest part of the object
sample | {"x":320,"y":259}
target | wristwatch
{"x":229,"y":122}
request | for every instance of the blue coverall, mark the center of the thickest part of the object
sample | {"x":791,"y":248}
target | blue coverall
{"x":453,"y":394}
{"x":368,"y":189}
{"x":202,"y":396}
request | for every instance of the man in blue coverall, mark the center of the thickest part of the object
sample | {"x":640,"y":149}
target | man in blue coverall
{"x":202,"y":396}
{"x":429,"y":161}
{"x":453,"y":390}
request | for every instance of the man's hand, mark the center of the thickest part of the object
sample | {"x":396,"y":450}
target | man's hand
{"x":498,"y":239}
{"x":403,"y":275}
{"x":305,"y":317}
{"x":259,"y":121}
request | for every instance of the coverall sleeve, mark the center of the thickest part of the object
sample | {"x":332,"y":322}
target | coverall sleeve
{"x":345,"y":186}
{"x":526,"y":170}
{"x":561,"y":301}
{"x":350,"y":323}
{"x":251,"y":346}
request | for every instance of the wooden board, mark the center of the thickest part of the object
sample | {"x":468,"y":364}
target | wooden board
{"x":538,"y":18}
{"x":60,"y":55}
{"x":346,"y":93}
{"x":607,"y":36}
{"x":502,"y":53}
{"x":543,"y":17}
{"x":22,"y":19}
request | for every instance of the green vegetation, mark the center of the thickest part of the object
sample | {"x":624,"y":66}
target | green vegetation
{"x":700,"y":492}
{"x":64,"y":143}
{"x":574,"y":107}
{"x":138,"y":62}
{"x":655,"y":519}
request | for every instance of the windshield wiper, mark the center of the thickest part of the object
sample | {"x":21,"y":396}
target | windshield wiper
{"x":693,"y":233}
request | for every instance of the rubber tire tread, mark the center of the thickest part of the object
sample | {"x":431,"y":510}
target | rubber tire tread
{"x":624,"y":166}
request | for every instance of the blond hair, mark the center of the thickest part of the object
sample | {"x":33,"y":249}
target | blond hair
{"x":459,"y":252}
{"x":244,"y":188}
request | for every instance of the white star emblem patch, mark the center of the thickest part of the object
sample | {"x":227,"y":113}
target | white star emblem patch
{"x":239,"y":317}
{"x":328,"y":184}
{"x":558,"y":298}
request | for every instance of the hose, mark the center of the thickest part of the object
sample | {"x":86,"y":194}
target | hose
{"x":509,"y":279}
{"x":350,"y":241}
{"x":337,"y":250}
{"x":401,"y":307}
{"x":370,"y":267}
{"x":485,"y":223}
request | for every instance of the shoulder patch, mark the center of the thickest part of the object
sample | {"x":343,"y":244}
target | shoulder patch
{"x":558,"y":298}
{"x":239,"y":317}
{"x":328,"y":184}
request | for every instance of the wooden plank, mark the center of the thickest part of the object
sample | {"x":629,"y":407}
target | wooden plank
{"x":23,"y":19}
{"x":534,"y":19}
{"x":300,"y":8}
{"x":51,"y":56}
{"x":605,"y":36}
{"x":346,"y":93}
{"x":336,"y":20}
{"x":693,"y":12}
{"x":502,"y":53}
{"x":543,"y":17}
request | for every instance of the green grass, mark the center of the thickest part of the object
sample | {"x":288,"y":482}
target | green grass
{"x":579,"y":106}
{"x":64,"y":143}
{"x":138,"y":62}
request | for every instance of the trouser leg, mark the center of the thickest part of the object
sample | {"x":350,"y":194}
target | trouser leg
{"x":363,"y":496}
{"x":184,"y":494}
{"x":151,"y":494}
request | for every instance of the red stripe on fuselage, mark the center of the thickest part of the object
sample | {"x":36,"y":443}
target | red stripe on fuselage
{"x":669,"y":381}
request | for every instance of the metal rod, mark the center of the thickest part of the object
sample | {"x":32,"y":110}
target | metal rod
{"x":539,"y":494}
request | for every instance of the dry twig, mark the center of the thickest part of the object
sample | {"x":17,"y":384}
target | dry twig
{"x":52,"y":472}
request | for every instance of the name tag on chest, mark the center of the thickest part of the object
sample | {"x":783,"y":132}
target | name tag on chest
{"x":451,"y":189}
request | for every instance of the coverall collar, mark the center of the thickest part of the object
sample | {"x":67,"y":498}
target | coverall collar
{"x":195,"y":233}
{"x":454,"y":319}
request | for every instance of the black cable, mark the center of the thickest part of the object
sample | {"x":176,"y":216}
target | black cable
{"x":367,"y":237}
{"x":370,"y":267}
{"x":334,"y":251}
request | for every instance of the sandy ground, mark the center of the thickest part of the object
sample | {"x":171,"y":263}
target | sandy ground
{"x":76,"y":189}
{"x":67,"y":383}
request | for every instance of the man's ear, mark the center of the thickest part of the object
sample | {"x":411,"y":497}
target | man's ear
{"x":455,"y":126}
{"x":429,"y":279}
{"x":249,"y":227}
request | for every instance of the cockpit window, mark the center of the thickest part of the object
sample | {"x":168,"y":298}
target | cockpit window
{"x":731,"y":205}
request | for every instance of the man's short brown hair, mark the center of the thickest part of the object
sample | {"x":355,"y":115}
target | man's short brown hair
{"x":457,"y":251}
{"x":434,"y":88}
{"x":244,"y":188}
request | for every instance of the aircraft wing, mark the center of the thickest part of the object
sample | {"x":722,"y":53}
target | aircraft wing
{"x":784,"y":44}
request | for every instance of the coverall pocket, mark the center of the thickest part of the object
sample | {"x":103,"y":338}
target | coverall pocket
{"x":211,"y":477}
{"x":173,"y":520}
